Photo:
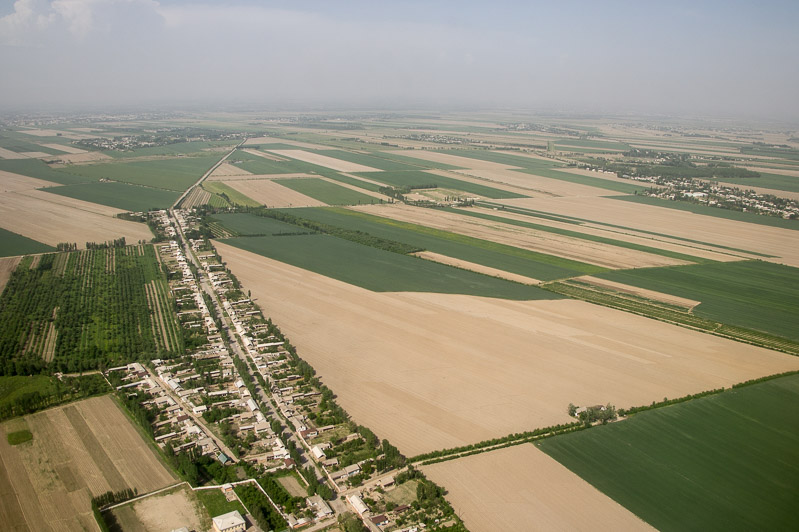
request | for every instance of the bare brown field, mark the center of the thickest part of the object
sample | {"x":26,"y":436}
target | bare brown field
{"x":759,"y":238}
{"x":83,"y":158}
{"x":164,"y":513}
{"x":8,"y":154}
{"x":7,"y":267}
{"x":228,"y":169}
{"x":37,"y":155}
{"x":10,"y":182}
{"x":50,"y":218}
{"x":293,"y":486}
{"x":272,"y":194}
{"x":266,"y":155}
{"x":642,"y":292}
{"x":532,"y":185}
{"x":71,"y":135}
{"x":424,"y":370}
{"x":521,"y":488}
{"x":323,"y":160}
{"x":598,"y":253}
{"x":65,"y":149}
{"x":454,"y":160}
{"x":78,"y":451}
{"x":662,"y":242}
{"x":466,"y":265}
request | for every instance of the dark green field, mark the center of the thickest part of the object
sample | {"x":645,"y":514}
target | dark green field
{"x":260,"y":165}
{"x":417,"y":178}
{"x":119,"y":195}
{"x":250,"y":225}
{"x":696,"y":208}
{"x":326,"y":191}
{"x":178,"y":148}
{"x":776,"y":182}
{"x":723,"y":462}
{"x":752,"y":294}
{"x":503,"y":257}
{"x":171,"y":174}
{"x":36,"y":168}
{"x":12,"y":244}
{"x":379,"y":270}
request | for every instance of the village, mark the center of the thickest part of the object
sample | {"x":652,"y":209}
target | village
{"x":242,"y":405}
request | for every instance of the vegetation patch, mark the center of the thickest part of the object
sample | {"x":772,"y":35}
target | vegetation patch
{"x":754,"y":294}
{"x":380,"y":270}
{"x":119,"y":195}
{"x":720,"y":462}
{"x":19,"y":436}
{"x":418,"y":179}
{"x":38,"y":169}
{"x":12,"y":244}
{"x":217,"y":504}
{"x":229,"y":194}
{"x":326,"y":191}
{"x":246,"y":224}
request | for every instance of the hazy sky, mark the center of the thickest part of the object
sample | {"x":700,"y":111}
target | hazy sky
{"x":710,"y":58}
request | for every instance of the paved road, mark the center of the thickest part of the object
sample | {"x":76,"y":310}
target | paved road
{"x":206,"y":174}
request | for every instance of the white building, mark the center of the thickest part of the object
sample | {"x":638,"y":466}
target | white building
{"x":229,"y":522}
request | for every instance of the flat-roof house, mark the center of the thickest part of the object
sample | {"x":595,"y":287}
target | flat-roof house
{"x":229,"y":522}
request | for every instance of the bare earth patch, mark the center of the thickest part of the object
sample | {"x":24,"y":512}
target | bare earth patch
{"x":273,"y":194}
{"x":64,"y":148}
{"x":430,"y":371}
{"x":7,"y":267}
{"x":293,"y":486}
{"x":228,"y":169}
{"x":163,"y":513}
{"x":10,"y":182}
{"x":521,"y":488}
{"x":466,"y":265}
{"x":323,"y":160}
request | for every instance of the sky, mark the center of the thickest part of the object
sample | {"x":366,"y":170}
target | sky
{"x":711,"y":58}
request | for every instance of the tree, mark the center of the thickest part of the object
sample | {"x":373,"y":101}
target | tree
{"x":572,"y":410}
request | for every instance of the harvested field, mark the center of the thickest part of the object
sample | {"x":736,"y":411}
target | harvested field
{"x":452,"y":160}
{"x":36,"y":154}
{"x":78,"y":451}
{"x":71,"y":135}
{"x":8,"y":154}
{"x":10,"y":182}
{"x":82,"y":158}
{"x":597,"y":253}
{"x":424,"y":370}
{"x":272,"y":194}
{"x":466,"y":265}
{"x":535,"y":184}
{"x":763,"y":239}
{"x":227,"y":169}
{"x":642,"y":292}
{"x":276,"y":140}
{"x":60,"y":219}
{"x":264,"y":154}
{"x":63,"y":148}
{"x":163,"y":513}
{"x":323,"y":160}
{"x":7,"y":267}
{"x":521,"y":488}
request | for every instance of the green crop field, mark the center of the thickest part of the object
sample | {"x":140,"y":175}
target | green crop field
{"x":179,"y":148}
{"x":12,"y":244}
{"x":119,"y":195}
{"x":776,"y":182}
{"x":261,"y":165}
{"x":379,"y":270}
{"x":250,"y":224}
{"x":233,"y":195}
{"x":171,"y":174}
{"x":24,"y":143}
{"x":419,"y":178}
{"x":723,"y":462}
{"x":414,"y":161}
{"x":327,"y":192}
{"x":373,"y":161}
{"x":753,"y":294}
{"x":36,"y":168}
{"x":598,"y":145}
{"x":696,"y":208}
{"x":503,"y":257}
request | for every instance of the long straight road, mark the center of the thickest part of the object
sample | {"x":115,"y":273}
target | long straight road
{"x":206,"y":174}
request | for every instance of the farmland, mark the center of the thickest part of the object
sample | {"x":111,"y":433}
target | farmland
{"x":77,"y":451}
{"x":39,"y":170}
{"x":119,"y":195}
{"x":229,"y":193}
{"x":432,"y":371}
{"x":270,"y":193}
{"x":326,"y":192}
{"x":12,"y":244}
{"x":485,"y":252}
{"x":379,"y":270}
{"x":726,"y":461}
{"x":753,"y":294}
{"x":250,"y":224}
{"x":170,"y":174}
{"x":416,"y":178}
{"x":86,"y":307}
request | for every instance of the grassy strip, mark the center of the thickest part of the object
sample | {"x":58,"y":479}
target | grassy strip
{"x":20,"y":436}
{"x":656,"y":310}
{"x":581,"y":236}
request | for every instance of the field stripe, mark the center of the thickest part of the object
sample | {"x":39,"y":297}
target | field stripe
{"x":95,"y":450}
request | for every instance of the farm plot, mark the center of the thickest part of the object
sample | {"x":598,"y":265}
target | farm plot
{"x":426,"y":370}
{"x":229,"y":194}
{"x":521,"y":488}
{"x":10,"y":182}
{"x":78,"y":451}
{"x":334,"y":162}
{"x":593,"y":254}
{"x":119,"y":195}
{"x":198,"y":196}
{"x":170,"y":174}
{"x":326,"y":192}
{"x":416,"y":178}
{"x":12,"y":244}
{"x":39,"y":170}
{"x":728,"y":461}
{"x":379,"y":270}
{"x":259,"y":165}
{"x":778,"y":243}
{"x":753,"y":294}
{"x":485,"y":252}
{"x":250,"y":224}
{"x":371,"y":160}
